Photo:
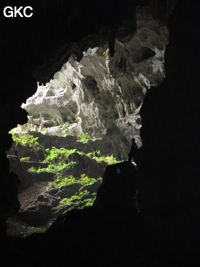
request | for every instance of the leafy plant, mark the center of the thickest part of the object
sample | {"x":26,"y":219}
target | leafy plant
{"x":31,"y":230}
{"x":89,"y":202}
{"x":54,"y":154}
{"x":97,"y":156}
{"x":15,"y":131}
{"x":85,"y":180}
{"x":84,"y":137}
{"x":25,"y":159}
{"x":94,"y":154}
{"x":109,"y":159}
{"x":26,"y":140}
{"x":54,"y":168}
{"x":57,"y":159}
{"x":69,"y":180}
{"x":62,"y":181}
{"x":106,"y":52}
{"x":65,"y":126}
{"x":80,"y":199}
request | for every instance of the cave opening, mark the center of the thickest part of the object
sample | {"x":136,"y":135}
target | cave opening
{"x":82,"y":120}
{"x":80,"y":123}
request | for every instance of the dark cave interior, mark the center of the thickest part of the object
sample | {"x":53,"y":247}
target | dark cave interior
{"x":166,"y":231}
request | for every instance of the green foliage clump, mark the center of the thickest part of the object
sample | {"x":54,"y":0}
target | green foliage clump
{"x":109,"y":159}
{"x":62,"y":181}
{"x":83,"y":137}
{"x":54,"y":168}
{"x":97,"y":156}
{"x":31,"y":230}
{"x":55,"y":155}
{"x":25,"y":159}
{"x":94,"y":154}
{"x":85,"y":180}
{"x":80,"y":199}
{"x":15,"y":131}
{"x":65,"y":126}
{"x":57,"y":159}
{"x":106,"y":52}
{"x":26,"y":140}
{"x":69,"y":180}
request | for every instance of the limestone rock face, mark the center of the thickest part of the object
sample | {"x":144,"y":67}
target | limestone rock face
{"x":101,"y":95}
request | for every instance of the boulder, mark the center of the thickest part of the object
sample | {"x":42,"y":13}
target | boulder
{"x":37,"y":215}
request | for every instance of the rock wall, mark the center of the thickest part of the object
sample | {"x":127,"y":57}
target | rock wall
{"x":169,"y":175}
{"x":102,"y":95}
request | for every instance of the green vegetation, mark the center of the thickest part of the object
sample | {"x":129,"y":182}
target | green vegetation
{"x":54,"y":155}
{"x":69,"y":180}
{"x":84,"y":137}
{"x":54,"y":168}
{"x":80,"y":199}
{"x":97,"y":156}
{"x":65,"y":126}
{"x":59,"y":156}
{"x":25,"y":159}
{"x":58,"y":161}
{"x":106,"y":52}
{"x":30,"y":230}
{"x":61,"y":181}
{"x":85,"y":180}
{"x":14,"y":131}
{"x":94,"y":154}
{"x":109,"y":159}
{"x":26,"y":140}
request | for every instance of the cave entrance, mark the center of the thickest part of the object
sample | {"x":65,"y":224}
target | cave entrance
{"x":81,"y":121}
{"x":61,"y":153}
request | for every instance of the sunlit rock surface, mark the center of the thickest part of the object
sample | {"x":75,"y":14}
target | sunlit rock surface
{"x":102,"y":95}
